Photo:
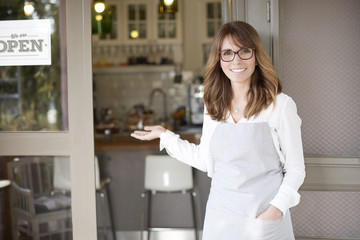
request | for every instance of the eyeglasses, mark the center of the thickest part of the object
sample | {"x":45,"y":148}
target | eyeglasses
{"x":228,"y":55}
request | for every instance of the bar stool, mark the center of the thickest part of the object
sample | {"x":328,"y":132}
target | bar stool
{"x":165,"y":174}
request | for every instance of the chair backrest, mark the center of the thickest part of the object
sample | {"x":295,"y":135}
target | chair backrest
{"x":34,"y":173}
{"x":164,"y":173}
{"x":62,"y":179}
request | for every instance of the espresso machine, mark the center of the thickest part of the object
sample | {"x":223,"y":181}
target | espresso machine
{"x":196,"y":104}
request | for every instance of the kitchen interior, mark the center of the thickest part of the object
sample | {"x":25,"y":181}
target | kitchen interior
{"x":148,"y":68}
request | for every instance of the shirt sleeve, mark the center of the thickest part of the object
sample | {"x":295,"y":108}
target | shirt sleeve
{"x":289,"y":134}
{"x":195,"y":155}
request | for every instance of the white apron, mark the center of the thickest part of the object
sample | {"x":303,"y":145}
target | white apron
{"x":247,"y":176}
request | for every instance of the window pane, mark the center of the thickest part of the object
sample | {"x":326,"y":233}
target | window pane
{"x":142,"y":12}
{"x":142,"y":30}
{"x":132,"y":29}
{"x":161,"y":16}
{"x":41,"y":190}
{"x":34,"y":97}
{"x":210,"y":10}
{"x":106,"y":25}
{"x":172,"y":30}
{"x":171,"y":16}
{"x":161,"y":30}
{"x":210,"y":29}
{"x":131,"y":12}
{"x":218,"y":5}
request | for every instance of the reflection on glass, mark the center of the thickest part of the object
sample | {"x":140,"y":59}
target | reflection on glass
{"x":142,"y":12}
{"x":33,"y":98}
{"x":40,"y":197}
{"x":131,"y":12}
{"x":38,"y":201}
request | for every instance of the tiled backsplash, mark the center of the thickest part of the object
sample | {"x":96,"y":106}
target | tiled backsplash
{"x":121,"y":91}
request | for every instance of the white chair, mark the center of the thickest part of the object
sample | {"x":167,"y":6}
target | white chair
{"x":166,"y":175}
{"x":4,"y":183}
{"x":35,"y":210}
{"x":40,"y":199}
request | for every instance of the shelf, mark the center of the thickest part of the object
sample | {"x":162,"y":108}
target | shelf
{"x":133,"y":69}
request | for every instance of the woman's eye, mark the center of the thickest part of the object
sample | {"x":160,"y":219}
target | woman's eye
{"x":246,"y":50}
{"x":227,"y":53}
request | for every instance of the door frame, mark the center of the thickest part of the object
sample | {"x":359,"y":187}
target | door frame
{"x":78,"y":141}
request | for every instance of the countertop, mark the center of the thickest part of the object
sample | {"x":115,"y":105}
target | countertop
{"x":121,"y":142}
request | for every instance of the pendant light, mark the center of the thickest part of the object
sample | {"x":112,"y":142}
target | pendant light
{"x":168,"y":6}
{"x":99,"y":6}
{"x":28,"y":8}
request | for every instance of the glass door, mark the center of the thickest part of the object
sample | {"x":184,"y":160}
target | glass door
{"x":46,"y":120}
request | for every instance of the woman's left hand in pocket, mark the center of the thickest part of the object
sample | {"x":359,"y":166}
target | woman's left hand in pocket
{"x":272,"y":213}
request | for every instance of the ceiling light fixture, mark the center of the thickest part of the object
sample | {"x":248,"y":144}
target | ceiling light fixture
{"x":168,"y":6}
{"x":28,"y":8}
{"x":99,"y":6}
{"x":134,"y":34}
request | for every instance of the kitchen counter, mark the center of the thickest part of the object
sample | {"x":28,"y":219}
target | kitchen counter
{"x":126,"y":142}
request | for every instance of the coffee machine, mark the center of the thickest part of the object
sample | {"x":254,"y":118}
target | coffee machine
{"x":196,"y":104}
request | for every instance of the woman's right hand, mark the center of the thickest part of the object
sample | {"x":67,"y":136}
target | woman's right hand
{"x":150,"y":133}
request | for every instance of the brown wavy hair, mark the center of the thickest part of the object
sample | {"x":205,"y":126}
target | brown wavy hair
{"x":265,"y":85}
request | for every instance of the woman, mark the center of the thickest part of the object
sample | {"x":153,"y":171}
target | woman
{"x":251,"y":141}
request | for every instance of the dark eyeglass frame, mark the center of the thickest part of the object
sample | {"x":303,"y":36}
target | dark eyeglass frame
{"x":237,"y":53}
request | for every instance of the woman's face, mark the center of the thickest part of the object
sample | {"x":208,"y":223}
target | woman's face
{"x":238,"y":71}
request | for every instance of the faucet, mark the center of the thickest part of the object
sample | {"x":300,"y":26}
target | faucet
{"x":164,"y":101}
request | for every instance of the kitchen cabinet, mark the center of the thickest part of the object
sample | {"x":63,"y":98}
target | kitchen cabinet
{"x":139,"y":35}
{"x":139,"y":22}
{"x":210,"y":20}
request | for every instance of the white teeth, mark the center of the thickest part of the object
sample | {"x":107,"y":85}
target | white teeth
{"x":238,"y":70}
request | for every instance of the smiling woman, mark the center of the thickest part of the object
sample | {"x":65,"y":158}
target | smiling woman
{"x":251,"y":142}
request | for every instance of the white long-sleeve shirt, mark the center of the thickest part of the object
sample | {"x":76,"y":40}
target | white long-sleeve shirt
{"x":284,"y":125}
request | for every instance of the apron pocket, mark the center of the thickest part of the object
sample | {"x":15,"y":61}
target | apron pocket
{"x":266,"y":229}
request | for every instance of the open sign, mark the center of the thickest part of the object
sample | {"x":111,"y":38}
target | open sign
{"x":21,"y":45}
{"x":25,"y":42}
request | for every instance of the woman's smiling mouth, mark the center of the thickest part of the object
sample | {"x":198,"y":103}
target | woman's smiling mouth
{"x":238,"y":70}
